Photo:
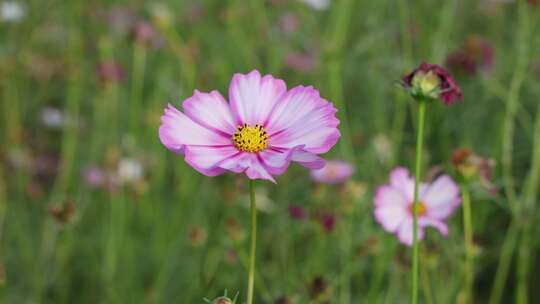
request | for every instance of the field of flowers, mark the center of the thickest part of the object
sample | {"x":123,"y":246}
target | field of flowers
{"x":143,"y":143}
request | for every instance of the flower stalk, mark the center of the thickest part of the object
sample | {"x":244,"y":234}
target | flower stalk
{"x":417,"y":171}
{"x":469,"y":246}
{"x":253,"y":246}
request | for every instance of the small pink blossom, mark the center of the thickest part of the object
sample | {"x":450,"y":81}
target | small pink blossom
{"x":297,"y":212}
{"x":258,"y":132}
{"x":394,"y":205}
{"x":335,"y":172}
{"x":301,"y":62}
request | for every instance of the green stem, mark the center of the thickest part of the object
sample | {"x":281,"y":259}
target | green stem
{"x":469,"y":246}
{"x":505,"y":258}
{"x":426,"y":285}
{"x":418,"y":166}
{"x":253,"y":247}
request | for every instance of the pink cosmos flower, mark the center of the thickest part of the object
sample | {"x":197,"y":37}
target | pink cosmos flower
{"x":393,"y":205}
{"x":335,"y":172}
{"x":259,"y":132}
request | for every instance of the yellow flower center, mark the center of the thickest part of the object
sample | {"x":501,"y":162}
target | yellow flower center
{"x":420,"y":208}
{"x":250,"y":139}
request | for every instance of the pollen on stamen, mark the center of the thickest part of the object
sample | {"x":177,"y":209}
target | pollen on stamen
{"x":250,"y":139}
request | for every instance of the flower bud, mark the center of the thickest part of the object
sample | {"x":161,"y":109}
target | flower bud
{"x":430,"y":81}
{"x":222,"y":300}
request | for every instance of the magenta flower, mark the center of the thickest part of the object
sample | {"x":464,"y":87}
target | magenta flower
{"x":393,"y":205}
{"x":432,"y":81}
{"x":259,"y":132}
{"x":475,"y":53}
{"x":335,"y":172}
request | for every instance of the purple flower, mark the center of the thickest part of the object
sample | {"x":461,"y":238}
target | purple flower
{"x":328,"y":221}
{"x":475,"y":53}
{"x":297,"y":212}
{"x":432,"y":81}
{"x":259,"y":132}
{"x":110,"y":71}
{"x":394,"y":205}
{"x":94,"y":177}
{"x":300,"y":62}
{"x":335,"y":172}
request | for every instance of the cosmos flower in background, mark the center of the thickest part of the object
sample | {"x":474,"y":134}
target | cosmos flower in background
{"x":432,"y":81}
{"x":475,"y":54}
{"x":297,"y":212}
{"x":394,"y":201}
{"x":12,"y":11}
{"x":110,"y":71}
{"x":53,"y":118}
{"x":259,"y":132}
{"x":129,"y":171}
{"x":301,"y":62}
{"x":319,"y":5}
{"x":471,"y":166}
{"x":334,"y":172}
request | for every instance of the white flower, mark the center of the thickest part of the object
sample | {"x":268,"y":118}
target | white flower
{"x":317,"y":4}
{"x":53,"y":118}
{"x":129,"y":170}
{"x":11,"y":11}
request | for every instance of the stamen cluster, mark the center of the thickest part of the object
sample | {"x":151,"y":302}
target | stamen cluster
{"x":250,"y":139}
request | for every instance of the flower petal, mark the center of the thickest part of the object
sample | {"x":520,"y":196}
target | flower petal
{"x":302,"y":117}
{"x":178,"y":130}
{"x":277,"y":161}
{"x":391,"y":208}
{"x":253,"y":97}
{"x":206,"y":159}
{"x":405,"y":232}
{"x":401,"y":179}
{"x":441,"y":197}
{"x":389,"y":195}
{"x":439,"y":225}
{"x":390,"y":217}
{"x":210,"y":110}
{"x":248,"y":163}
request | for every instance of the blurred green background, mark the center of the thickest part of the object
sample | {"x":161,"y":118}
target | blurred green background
{"x":93,"y":209}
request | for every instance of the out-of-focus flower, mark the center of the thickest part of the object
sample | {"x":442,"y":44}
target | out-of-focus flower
{"x":534,"y":2}
{"x":383,"y":147}
{"x":235,"y":230}
{"x":53,"y":118}
{"x":394,"y":205}
{"x":319,"y":289}
{"x":289,"y":23}
{"x":94,"y":177}
{"x":356,"y":189}
{"x":129,"y":170}
{"x":197,"y":235}
{"x":143,"y":32}
{"x":319,"y":5}
{"x":334,"y":172}
{"x":475,"y":53}
{"x":121,"y":19}
{"x":231,"y":257}
{"x":328,"y":221}
{"x":12,"y":11}
{"x":161,"y":14}
{"x":63,"y":213}
{"x":297,"y":212}
{"x":283,"y":300}
{"x":222,"y":300}
{"x":301,"y":62}
{"x":110,"y":71}
{"x":146,"y":35}
{"x":259,"y":132}
{"x":470,"y":165}
{"x":432,"y":81}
